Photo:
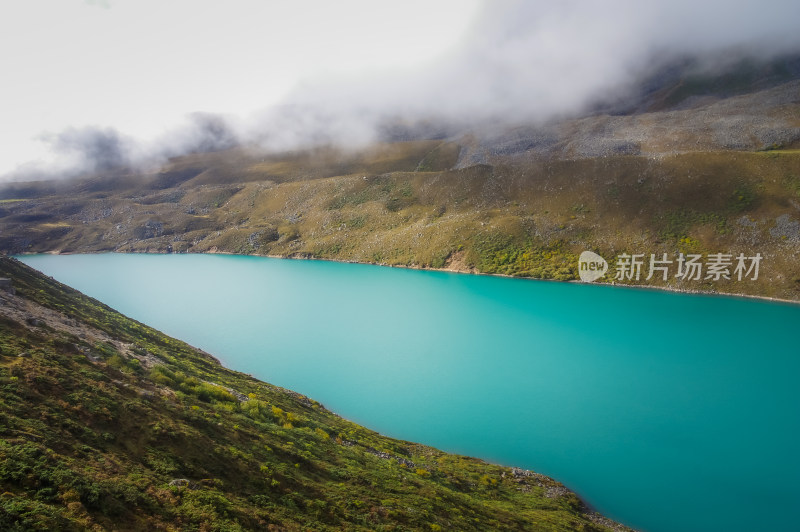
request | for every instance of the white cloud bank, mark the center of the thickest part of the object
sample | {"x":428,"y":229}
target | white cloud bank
{"x":101,"y":86}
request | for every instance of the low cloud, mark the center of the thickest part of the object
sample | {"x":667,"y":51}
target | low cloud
{"x":91,"y":148}
{"x":532,"y":62}
{"x":202,"y":132}
{"x":520,"y":61}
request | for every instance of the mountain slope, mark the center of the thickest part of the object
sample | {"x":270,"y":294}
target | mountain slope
{"x":106,"y":423}
{"x":717,"y":172}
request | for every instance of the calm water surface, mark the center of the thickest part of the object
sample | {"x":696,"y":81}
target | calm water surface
{"x":669,"y":412}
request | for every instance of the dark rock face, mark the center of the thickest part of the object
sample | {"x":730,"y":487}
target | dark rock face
{"x":6,"y":286}
{"x":150,"y":229}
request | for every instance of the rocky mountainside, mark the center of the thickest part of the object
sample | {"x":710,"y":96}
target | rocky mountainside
{"x":692,"y":164}
{"x":763,"y":120}
{"x":107,"y":424}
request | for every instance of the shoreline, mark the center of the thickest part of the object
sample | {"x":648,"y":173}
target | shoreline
{"x":447,"y":270}
{"x":588,"y":509}
{"x":20,"y":308}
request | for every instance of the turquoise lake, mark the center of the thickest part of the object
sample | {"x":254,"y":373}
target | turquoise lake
{"x":668,"y":412}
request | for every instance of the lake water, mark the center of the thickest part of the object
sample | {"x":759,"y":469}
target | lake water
{"x":668,"y":412}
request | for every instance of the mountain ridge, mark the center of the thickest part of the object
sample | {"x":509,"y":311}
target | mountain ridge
{"x":717,"y":176}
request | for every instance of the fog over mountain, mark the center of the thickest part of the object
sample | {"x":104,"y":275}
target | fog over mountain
{"x":517,"y":62}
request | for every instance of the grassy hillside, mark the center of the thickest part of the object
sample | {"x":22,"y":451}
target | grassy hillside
{"x":517,"y":216}
{"x":108,"y":424}
{"x":720,"y":177}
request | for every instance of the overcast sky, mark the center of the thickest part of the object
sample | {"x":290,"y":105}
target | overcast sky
{"x":141,"y":66}
{"x":82,"y":79}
